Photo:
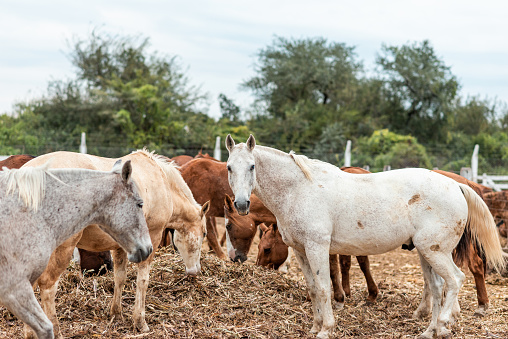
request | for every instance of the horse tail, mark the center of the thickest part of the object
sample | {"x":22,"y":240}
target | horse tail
{"x":481,"y":229}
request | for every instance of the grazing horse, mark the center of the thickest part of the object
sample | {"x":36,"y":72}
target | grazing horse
{"x":272,"y":253}
{"x":317,"y":209}
{"x":90,"y":261}
{"x":241,"y":229}
{"x":168,"y":202}
{"x":41,"y":208}
{"x":498,"y":205}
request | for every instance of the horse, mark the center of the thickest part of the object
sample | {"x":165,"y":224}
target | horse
{"x":241,"y":229}
{"x":168,"y":202}
{"x":15,"y":161}
{"x":181,"y":160}
{"x":272,"y":253}
{"x":498,"y":205}
{"x":316,"y":206}
{"x":90,"y":262}
{"x":42,"y":207}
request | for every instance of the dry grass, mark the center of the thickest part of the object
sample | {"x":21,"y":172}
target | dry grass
{"x":244,"y":301}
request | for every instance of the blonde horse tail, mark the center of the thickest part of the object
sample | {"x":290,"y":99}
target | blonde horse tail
{"x":482,"y":228}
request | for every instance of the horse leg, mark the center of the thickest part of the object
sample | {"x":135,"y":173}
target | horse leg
{"x":432,"y":294}
{"x":223,"y":239}
{"x":48,"y":282}
{"x":212,"y":237}
{"x":345,"y":266}
{"x":21,"y":301}
{"x":442,"y":264}
{"x":319,"y":265}
{"x":476,"y":267}
{"x":309,"y":279}
{"x":138,"y":313}
{"x":364,"y":263}
{"x":338,"y":292}
{"x":284,"y":268}
{"x":120,"y":274}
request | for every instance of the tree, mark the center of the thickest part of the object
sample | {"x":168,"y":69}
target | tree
{"x":229,"y":110}
{"x":420,"y":88}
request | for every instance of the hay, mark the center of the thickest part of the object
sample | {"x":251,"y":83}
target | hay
{"x":245,"y":301}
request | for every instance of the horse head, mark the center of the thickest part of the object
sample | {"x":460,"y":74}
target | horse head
{"x":241,"y":172}
{"x":189,"y":238}
{"x":124,"y":220}
{"x":240,"y":231}
{"x":272,"y":251}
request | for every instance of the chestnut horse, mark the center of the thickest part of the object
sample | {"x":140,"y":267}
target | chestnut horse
{"x":91,"y":262}
{"x":168,"y":202}
{"x":498,"y":205}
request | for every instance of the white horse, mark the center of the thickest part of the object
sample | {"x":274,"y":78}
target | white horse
{"x":322,"y":210}
{"x":41,"y":208}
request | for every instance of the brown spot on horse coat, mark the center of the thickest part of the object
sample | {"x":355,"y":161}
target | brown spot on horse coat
{"x":360,"y":225}
{"x":414,"y":199}
{"x":434,"y":248}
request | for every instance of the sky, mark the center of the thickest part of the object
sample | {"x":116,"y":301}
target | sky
{"x":216,"y":42}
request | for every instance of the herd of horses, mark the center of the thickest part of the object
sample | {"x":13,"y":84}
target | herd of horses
{"x":143,"y":200}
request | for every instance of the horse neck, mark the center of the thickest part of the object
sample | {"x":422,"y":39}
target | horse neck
{"x":83,"y":205}
{"x":276,"y":173}
{"x":183,"y":210}
{"x":259,"y":212}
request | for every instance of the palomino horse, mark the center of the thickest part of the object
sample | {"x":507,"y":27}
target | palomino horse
{"x":92,"y":262}
{"x":168,"y":202}
{"x":50,"y":205}
{"x":316,"y":205}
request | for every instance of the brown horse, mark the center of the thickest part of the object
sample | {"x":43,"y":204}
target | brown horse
{"x":90,"y":261}
{"x":498,"y":206}
{"x":181,"y":160}
{"x":15,"y":161}
{"x":241,"y":229}
{"x":167,"y":202}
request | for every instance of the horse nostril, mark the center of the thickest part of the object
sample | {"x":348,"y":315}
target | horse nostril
{"x":248,"y":204}
{"x":236,"y":205}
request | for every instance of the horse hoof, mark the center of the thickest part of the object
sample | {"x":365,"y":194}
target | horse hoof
{"x":481,"y":312}
{"x":446,"y":334}
{"x":142,"y":326}
{"x":323,"y":335}
{"x":419,"y":315}
{"x":315,"y":329}
{"x":339,"y":306}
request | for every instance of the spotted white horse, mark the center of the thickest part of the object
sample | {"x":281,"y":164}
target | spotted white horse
{"x":322,"y":210}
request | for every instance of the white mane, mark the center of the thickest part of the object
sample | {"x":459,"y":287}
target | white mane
{"x":172,"y":173}
{"x":29,"y":181}
{"x":304,"y":163}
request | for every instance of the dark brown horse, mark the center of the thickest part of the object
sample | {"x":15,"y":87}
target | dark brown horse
{"x":91,"y":262}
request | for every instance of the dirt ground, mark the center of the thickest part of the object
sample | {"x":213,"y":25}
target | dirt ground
{"x":245,"y":301}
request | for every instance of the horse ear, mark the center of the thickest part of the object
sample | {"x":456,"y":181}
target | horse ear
{"x":228,"y":203}
{"x":205,"y":208}
{"x":126,"y":171}
{"x":263,"y":227}
{"x":230,"y":143}
{"x":251,"y":142}
{"x":117,"y":167}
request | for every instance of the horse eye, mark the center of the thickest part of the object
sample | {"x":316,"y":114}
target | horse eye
{"x":140,"y":204}
{"x":229,"y":168}
{"x":252,"y":168}
{"x":267,"y":250}
{"x":228,"y":227}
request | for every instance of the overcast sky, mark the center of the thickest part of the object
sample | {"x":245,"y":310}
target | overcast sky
{"x":217,"y":41}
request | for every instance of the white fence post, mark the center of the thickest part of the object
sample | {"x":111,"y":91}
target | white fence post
{"x":82,"y":147}
{"x":216,"y":151}
{"x":347,"y":154}
{"x":474,"y":163}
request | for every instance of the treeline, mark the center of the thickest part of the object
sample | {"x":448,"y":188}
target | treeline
{"x":312,"y":96}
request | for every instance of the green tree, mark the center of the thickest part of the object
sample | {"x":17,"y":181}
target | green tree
{"x":420,"y":88}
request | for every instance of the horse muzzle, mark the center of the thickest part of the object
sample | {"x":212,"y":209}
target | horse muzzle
{"x":193,"y":272}
{"x":242,"y":207}
{"x":140,"y":254}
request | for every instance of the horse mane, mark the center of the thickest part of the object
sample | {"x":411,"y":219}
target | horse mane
{"x":304,"y":163}
{"x":170,"y":170}
{"x":30,"y":182}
